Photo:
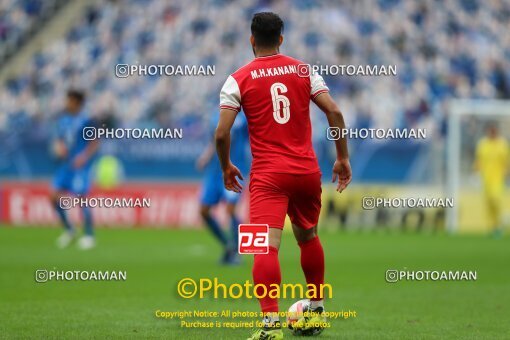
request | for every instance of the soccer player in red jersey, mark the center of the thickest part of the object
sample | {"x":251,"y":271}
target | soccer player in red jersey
{"x":275,"y":91}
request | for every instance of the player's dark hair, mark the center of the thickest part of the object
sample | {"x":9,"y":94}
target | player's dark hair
{"x":77,"y":95}
{"x":266,"y":28}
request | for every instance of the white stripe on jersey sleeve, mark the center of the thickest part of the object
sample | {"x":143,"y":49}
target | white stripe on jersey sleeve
{"x":230,"y":95}
{"x":318,"y":85}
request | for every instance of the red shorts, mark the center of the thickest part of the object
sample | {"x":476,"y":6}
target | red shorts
{"x":274,"y":195}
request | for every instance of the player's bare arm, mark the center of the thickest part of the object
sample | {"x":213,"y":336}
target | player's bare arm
{"x":222,"y":138}
{"x":205,"y":157}
{"x":60,"y":149}
{"x":342,"y":167}
{"x":81,"y":159}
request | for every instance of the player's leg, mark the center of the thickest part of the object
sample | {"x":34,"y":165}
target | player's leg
{"x":212,"y":224}
{"x":231,"y":199}
{"x":61,"y":183}
{"x":312,"y":260}
{"x":210,"y":196}
{"x":493,"y":197}
{"x":498,"y":200}
{"x":56,"y":195}
{"x":304,"y":210}
{"x":234,"y":222}
{"x":81,"y":186}
{"x":312,"y":263}
{"x":266,"y":271}
{"x":88,"y":240}
{"x":69,"y":234}
{"x":268,"y":205}
{"x":494,"y":211}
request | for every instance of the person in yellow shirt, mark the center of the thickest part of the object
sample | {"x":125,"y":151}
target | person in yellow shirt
{"x":492,"y":159}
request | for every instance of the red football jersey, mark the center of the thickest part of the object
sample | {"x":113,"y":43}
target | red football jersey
{"x":274,"y":93}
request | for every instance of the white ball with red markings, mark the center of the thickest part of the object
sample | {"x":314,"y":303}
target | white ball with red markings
{"x":296,"y":311}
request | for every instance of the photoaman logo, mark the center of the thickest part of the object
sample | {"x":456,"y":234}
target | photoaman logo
{"x":253,"y":239}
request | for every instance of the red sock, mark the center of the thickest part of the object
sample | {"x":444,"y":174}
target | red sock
{"x":266,"y":271}
{"x":312,"y":262}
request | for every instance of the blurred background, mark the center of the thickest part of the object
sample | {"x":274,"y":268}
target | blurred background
{"x":445,"y":51}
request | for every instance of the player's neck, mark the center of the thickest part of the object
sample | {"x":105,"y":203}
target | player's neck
{"x":75,"y":112}
{"x":266,"y":52}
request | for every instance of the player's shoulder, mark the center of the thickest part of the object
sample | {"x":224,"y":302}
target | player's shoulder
{"x":88,"y":121}
{"x":292,"y":60}
{"x":483,"y":141}
{"x":246,"y":68}
{"x":504,"y":141}
{"x":62,"y":116}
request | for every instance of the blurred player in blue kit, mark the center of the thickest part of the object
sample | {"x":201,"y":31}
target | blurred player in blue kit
{"x":213,"y":192}
{"x":73,"y":176}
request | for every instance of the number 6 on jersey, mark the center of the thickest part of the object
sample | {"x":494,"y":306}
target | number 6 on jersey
{"x":282,"y":115}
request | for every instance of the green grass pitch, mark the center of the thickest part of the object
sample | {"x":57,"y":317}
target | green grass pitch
{"x":155,"y":260}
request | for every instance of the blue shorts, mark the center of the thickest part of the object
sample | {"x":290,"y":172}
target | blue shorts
{"x":77,"y":182}
{"x":213,"y":192}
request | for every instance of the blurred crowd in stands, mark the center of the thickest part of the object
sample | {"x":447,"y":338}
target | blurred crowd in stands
{"x":443,"y":49}
{"x":19,"y":18}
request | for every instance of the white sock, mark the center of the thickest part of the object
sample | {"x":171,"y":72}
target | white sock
{"x":316,"y":304}
{"x":270,"y":318}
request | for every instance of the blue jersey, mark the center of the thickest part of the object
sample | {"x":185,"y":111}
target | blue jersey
{"x":213,"y":191}
{"x":239,"y":146}
{"x":70,"y":131}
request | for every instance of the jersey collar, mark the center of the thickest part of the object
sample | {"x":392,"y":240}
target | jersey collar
{"x":277,"y":55}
